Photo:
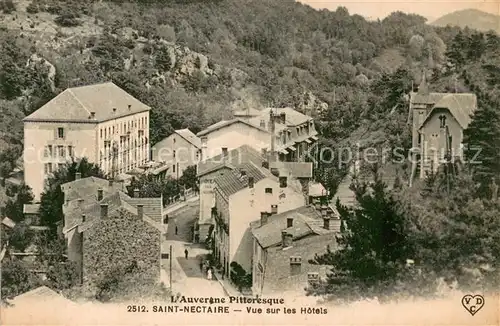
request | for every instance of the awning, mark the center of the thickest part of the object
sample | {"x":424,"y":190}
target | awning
{"x":283,"y":151}
{"x":314,"y":137}
{"x":160,"y":169}
{"x":292,"y":148}
{"x":308,"y":141}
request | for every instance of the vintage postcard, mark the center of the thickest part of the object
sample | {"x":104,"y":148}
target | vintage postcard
{"x":250,"y":162}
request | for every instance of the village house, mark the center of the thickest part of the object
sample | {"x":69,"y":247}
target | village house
{"x":439,"y":120}
{"x":100,"y":218}
{"x":101,"y":122}
{"x":31,"y":213}
{"x":207,"y":172}
{"x":284,"y":243}
{"x":293,"y":133}
{"x":240,"y":195}
{"x":178,"y":151}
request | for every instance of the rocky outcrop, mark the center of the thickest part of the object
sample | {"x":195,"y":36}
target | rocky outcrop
{"x":51,"y":74}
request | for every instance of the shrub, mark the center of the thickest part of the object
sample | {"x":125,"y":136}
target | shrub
{"x":32,"y":8}
{"x":7,"y":6}
{"x":68,"y":19}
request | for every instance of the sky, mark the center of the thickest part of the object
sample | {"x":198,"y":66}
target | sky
{"x":431,"y":9}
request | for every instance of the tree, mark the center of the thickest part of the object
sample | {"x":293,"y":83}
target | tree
{"x":14,"y":208}
{"x":52,"y":199}
{"x":481,"y":138}
{"x":16,"y":279}
{"x":373,"y":246}
{"x":7,"y":6}
{"x":189,"y":179}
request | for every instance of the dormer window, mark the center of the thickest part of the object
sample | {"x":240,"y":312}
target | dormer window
{"x":442,"y":121}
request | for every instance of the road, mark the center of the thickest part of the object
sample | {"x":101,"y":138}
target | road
{"x":187,"y":277}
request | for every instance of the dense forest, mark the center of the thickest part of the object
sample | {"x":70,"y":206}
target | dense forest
{"x":194,"y":62}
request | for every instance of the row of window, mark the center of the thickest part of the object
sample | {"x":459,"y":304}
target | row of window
{"x":58,"y":151}
{"x":125,"y":127}
{"x":48,"y":168}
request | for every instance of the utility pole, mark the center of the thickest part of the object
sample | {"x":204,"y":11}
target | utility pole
{"x":170,"y":269}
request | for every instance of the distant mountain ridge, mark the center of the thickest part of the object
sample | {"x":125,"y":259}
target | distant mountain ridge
{"x":473,"y":18}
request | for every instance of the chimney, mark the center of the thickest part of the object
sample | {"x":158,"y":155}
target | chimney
{"x":78,"y":175}
{"x":275,"y":172}
{"x":99,"y":194}
{"x":286,"y":239}
{"x":92,"y":115}
{"x":263,"y":218}
{"x":136,"y":193}
{"x":140,"y":211}
{"x":83,"y":218}
{"x":326,"y":222}
{"x":289,"y":222}
{"x":274,"y":209}
{"x":283,"y":118}
{"x":104,"y":211}
{"x":324,"y":210}
{"x":265,"y":164}
{"x":243,"y":172}
{"x":272,"y":130}
{"x":283,"y":182}
{"x":251,"y":182}
{"x":224,"y":151}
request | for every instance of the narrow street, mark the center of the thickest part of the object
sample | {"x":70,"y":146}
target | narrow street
{"x":187,"y":277}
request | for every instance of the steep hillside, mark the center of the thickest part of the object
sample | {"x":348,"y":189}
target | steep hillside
{"x":472,"y":18}
{"x":195,"y":61}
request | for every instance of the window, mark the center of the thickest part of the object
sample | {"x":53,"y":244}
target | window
{"x":269,"y":190}
{"x":46,"y":152}
{"x":60,"y":133}
{"x":101,"y":132}
{"x":174,"y":140}
{"x":173,"y":154}
{"x":47,"y":167}
{"x":60,"y":166}
{"x":295,"y":265}
{"x":283,"y":182}
{"x":70,"y":151}
{"x":173,"y":168}
{"x":61,"y":151}
{"x":442,"y":121}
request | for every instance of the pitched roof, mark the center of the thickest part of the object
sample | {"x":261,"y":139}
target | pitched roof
{"x":86,"y":188}
{"x":294,"y":169}
{"x":234,"y":158}
{"x":41,"y":294}
{"x":307,"y":220}
{"x":76,"y":104}
{"x":153,"y":207}
{"x":8,"y":222}
{"x":31,"y":208}
{"x":292,"y":117}
{"x":225,"y":123}
{"x":460,"y":105}
{"x":189,"y":136}
{"x":231,"y":182}
{"x":269,"y":234}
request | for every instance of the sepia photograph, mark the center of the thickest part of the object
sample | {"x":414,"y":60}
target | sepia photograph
{"x":249,"y":162}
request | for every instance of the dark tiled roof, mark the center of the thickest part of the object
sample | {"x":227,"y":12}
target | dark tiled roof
{"x":76,"y":104}
{"x":235,"y":158}
{"x":189,"y":136}
{"x":460,"y":105}
{"x":225,"y":123}
{"x":233,"y":181}
{"x":269,"y":234}
{"x":292,"y":117}
{"x":31,"y":208}
{"x":152,"y":206}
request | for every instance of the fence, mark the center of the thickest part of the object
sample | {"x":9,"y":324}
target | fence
{"x":188,"y":194}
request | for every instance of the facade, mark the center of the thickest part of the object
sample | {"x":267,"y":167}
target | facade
{"x":439,"y":120}
{"x":90,"y":199}
{"x":240,"y":195}
{"x":178,"y":151}
{"x":284,"y":243}
{"x":293,"y":133}
{"x":209,"y":170}
{"x":100,"y":122}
